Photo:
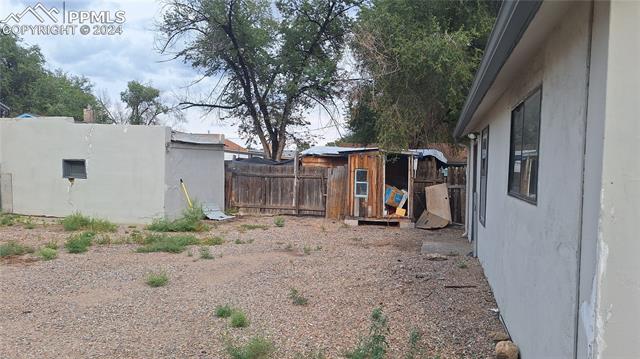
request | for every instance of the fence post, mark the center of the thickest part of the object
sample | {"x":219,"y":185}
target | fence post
{"x":295,"y":183}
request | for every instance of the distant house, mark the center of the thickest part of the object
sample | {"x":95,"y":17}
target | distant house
{"x":54,"y":166}
{"x":552,"y":116}
{"x":234,"y":151}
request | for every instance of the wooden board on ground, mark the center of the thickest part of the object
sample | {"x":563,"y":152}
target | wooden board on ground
{"x":438,"y":212}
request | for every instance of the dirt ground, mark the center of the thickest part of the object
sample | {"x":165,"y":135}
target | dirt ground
{"x":97,"y":304}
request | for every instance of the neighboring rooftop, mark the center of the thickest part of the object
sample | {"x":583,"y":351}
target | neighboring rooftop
{"x":197,"y":138}
{"x":231,"y":146}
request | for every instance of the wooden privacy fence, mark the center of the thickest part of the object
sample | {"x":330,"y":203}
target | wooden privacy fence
{"x":428,"y":174}
{"x":279,"y":189}
{"x":275,"y":189}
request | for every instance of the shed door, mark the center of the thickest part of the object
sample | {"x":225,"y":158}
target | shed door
{"x":369,"y":206}
{"x":337,"y":190}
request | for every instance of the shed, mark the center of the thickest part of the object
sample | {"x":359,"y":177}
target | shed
{"x":373,"y":173}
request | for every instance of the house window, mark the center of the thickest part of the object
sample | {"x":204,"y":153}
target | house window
{"x":523,"y":156}
{"x":484,"y":158}
{"x":361,"y":185}
{"x":74,"y":169}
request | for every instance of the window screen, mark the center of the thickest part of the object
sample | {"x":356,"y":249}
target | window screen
{"x":361,"y":185}
{"x":523,"y":156}
{"x":74,"y":169}
{"x":484,"y":162}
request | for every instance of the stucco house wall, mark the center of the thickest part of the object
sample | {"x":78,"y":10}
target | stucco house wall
{"x":132,"y":171}
{"x":201,"y":167}
{"x":563,"y":270}
{"x":529,"y":251}
{"x":125,"y":167}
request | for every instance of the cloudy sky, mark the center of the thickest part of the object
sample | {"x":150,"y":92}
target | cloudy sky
{"x":111,"y":61}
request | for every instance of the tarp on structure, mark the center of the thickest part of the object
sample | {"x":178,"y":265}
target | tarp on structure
{"x":424,"y":152}
{"x":333,"y":150}
{"x":438,"y":212}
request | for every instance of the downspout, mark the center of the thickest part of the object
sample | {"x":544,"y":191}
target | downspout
{"x":584,"y":157}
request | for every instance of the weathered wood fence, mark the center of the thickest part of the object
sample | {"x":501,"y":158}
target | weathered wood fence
{"x":428,"y":174}
{"x":319,"y":191}
{"x":275,"y":189}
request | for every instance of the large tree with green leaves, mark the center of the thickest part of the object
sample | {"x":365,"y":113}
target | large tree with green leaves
{"x":272,"y":61}
{"x":27,"y":86}
{"x":143,"y":102}
{"x":418,"y":59}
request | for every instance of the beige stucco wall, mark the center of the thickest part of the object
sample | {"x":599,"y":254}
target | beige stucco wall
{"x":202,"y":169}
{"x":125,"y":168}
{"x":530,"y":251}
{"x":617,"y":310}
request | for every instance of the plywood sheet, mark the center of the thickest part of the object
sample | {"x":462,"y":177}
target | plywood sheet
{"x":438,"y":212}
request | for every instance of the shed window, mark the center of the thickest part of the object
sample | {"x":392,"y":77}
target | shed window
{"x":523,"y":156}
{"x":361,"y":184}
{"x":74,"y":169}
{"x":484,"y":162}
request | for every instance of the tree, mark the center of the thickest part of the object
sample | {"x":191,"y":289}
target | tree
{"x":273,"y":63}
{"x":418,"y":58}
{"x":144,"y":103}
{"x":26,"y":86}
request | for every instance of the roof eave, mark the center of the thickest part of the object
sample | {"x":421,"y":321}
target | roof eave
{"x":511,"y":23}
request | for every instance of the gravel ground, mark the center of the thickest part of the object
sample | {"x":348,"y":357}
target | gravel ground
{"x":96,"y":304}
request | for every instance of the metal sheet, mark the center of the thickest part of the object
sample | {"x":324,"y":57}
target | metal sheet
{"x":212,"y":211}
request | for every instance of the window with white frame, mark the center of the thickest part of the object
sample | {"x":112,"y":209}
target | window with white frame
{"x":361,"y":187}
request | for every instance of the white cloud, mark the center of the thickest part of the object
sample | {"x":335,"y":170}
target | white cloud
{"x":111,"y":61}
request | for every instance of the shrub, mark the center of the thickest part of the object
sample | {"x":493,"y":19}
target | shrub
{"x":13,"y":248}
{"x":414,"y":350}
{"x":103,"y":239}
{"x":7,"y":219}
{"x":205,"y":253}
{"x":256,"y":348}
{"x":191,"y":221}
{"x":375,"y":345}
{"x":79,"y":243}
{"x":239,"y":319}
{"x":51,"y":245}
{"x":306,"y":250}
{"x":47,"y":254}
{"x":223,"y":311}
{"x":279,"y":222}
{"x":102,"y":225}
{"x":77,"y":221}
{"x":157,"y":279}
{"x":136,"y":237}
{"x":297,"y":298}
{"x":314,"y":354}
{"x":462,"y":265}
{"x":164,"y":243}
{"x":212,"y":241}
{"x":249,"y":227}
{"x":28,"y":223}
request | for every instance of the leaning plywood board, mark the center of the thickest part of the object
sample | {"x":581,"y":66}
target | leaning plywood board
{"x":438,"y":212}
